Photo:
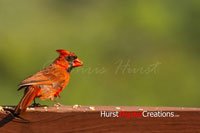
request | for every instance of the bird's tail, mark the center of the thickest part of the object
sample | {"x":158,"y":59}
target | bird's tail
{"x":29,"y":95}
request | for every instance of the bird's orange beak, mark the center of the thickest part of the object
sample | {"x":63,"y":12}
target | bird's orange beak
{"x":77,"y":63}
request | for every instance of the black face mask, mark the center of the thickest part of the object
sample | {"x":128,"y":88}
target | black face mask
{"x":69,"y":69}
{"x":70,"y":59}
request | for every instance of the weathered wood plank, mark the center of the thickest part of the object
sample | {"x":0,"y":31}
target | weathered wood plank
{"x":88,"y":119}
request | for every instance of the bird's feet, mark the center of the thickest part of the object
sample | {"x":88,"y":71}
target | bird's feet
{"x":37,"y":105}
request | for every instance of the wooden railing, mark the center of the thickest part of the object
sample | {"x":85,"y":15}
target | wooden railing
{"x":88,"y":119}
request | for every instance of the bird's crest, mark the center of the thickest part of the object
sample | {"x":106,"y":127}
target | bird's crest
{"x":63,"y":52}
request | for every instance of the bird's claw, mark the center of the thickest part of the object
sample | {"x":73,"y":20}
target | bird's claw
{"x":38,"y":105}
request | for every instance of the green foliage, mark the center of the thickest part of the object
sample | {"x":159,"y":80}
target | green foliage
{"x":104,"y":33}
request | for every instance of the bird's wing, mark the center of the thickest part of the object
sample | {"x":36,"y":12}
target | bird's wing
{"x":37,"y":79}
{"x":40,"y":78}
{"x":48,"y":76}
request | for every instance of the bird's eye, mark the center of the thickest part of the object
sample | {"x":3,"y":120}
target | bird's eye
{"x":71,"y":58}
{"x":75,"y":57}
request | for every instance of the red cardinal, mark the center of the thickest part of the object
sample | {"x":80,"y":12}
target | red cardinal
{"x":49,"y":82}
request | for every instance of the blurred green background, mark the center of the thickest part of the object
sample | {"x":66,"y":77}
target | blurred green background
{"x":135,"y":52}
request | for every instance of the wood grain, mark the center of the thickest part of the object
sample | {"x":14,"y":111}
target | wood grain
{"x":86,"y":119}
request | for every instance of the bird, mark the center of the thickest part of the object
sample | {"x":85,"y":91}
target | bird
{"x":49,"y":82}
